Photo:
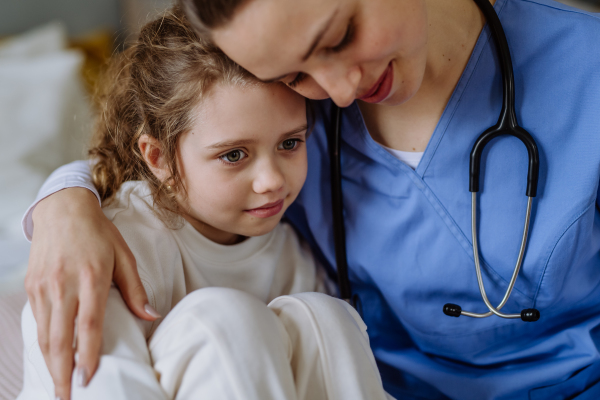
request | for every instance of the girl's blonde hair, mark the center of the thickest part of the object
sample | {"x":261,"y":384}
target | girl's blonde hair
{"x":152,"y":88}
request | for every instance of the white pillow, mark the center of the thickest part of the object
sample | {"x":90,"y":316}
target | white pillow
{"x":47,"y":39}
{"x":44,"y":122}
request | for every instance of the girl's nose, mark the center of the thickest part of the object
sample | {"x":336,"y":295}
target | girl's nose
{"x":340,"y":83}
{"x":269,"y":178}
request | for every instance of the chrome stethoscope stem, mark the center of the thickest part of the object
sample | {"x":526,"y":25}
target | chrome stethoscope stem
{"x":495,"y":310}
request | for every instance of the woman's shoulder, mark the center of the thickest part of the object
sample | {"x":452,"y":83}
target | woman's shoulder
{"x":556,"y":57}
{"x":554,"y":6}
{"x":548,"y":19}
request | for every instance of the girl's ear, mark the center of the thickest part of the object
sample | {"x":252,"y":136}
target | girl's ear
{"x":152,"y":153}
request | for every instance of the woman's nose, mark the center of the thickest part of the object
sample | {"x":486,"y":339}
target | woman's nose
{"x":340,"y":83}
{"x":269,"y":178}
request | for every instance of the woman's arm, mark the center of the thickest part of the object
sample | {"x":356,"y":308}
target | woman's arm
{"x":76,"y":252}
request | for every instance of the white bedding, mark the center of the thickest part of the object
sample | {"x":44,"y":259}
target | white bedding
{"x":44,"y":120}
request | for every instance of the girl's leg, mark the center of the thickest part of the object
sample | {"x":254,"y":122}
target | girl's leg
{"x":37,"y":381}
{"x":331,"y":357}
{"x":125,"y":370}
{"x":220,"y":343}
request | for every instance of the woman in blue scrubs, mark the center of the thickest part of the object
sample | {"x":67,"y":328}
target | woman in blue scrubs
{"x":416,"y":76}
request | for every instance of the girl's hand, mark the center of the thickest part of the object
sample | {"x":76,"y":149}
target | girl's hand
{"x":76,"y":252}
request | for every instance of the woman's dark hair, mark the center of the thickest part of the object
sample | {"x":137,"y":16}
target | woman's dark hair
{"x":206,"y":15}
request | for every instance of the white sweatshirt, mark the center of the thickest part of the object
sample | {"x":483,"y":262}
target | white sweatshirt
{"x":172,"y":263}
{"x":175,"y":262}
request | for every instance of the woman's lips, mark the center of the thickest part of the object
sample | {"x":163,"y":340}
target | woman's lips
{"x":382,"y":88}
{"x":268,"y":210}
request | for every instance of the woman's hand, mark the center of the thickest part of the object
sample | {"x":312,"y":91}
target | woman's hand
{"x":76,"y":252}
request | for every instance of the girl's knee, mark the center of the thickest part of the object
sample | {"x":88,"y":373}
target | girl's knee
{"x":229,"y":320}
{"x":317,"y":307}
{"x":222,"y":302}
{"x":223,"y":313}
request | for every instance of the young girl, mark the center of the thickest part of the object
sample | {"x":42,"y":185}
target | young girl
{"x":196,"y":161}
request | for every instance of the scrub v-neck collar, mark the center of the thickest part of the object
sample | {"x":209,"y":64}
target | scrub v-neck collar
{"x":357,"y":135}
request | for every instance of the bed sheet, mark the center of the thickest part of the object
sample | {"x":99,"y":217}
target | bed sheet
{"x":13,"y":265}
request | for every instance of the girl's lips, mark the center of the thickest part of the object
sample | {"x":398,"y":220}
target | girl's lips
{"x":268,"y":210}
{"x":382,"y":87}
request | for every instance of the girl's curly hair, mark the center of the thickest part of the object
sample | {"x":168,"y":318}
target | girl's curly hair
{"x":153,"y":88}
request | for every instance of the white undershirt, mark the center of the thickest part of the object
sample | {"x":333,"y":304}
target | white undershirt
{"x":410,"y":158}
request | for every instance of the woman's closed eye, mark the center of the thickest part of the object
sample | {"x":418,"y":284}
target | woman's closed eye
{"x":300,"y":76}
{"x":344,"y":42}
{"x":233,"y":157}
{"x":346,"y":39}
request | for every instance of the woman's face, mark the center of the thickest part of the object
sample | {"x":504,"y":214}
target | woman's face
{"x":373,"y":50}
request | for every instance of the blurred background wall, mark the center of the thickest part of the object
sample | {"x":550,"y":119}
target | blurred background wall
{"x":590,"y":5}
{"x":78,"y":16}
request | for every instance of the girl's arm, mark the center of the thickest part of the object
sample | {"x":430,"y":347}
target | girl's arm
{"x":76,"y":252}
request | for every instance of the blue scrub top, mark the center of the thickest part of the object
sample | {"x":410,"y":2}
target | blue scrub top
{"x":409,"y":233}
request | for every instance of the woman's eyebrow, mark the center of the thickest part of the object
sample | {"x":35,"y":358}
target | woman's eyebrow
{"x":312,"y":47}
{"x":319,"y":36}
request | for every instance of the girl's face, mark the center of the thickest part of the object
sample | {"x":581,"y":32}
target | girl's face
{"x":244,"y":160}
{"x":373,"y":50}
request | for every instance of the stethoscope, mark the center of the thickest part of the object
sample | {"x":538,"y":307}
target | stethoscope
{"x":506,"y":125}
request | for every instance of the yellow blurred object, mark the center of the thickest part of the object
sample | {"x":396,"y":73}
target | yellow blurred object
{"x":98,"y":47}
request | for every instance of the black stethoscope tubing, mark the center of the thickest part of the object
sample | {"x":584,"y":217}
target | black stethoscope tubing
{"x":506,"y":125}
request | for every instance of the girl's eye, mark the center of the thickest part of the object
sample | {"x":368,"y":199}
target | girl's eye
{"x":233,"y":156}
{"x":299,"y":78}
{"x":346,"y":40}
{"x":289,"y":144}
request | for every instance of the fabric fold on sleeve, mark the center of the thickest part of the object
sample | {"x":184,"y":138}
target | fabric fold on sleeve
{"x":75,"y":174}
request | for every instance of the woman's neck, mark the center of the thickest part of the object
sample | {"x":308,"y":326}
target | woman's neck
{"x":454,"y":27}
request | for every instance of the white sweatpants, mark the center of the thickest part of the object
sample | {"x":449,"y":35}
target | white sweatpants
{"x":220,"y":343}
